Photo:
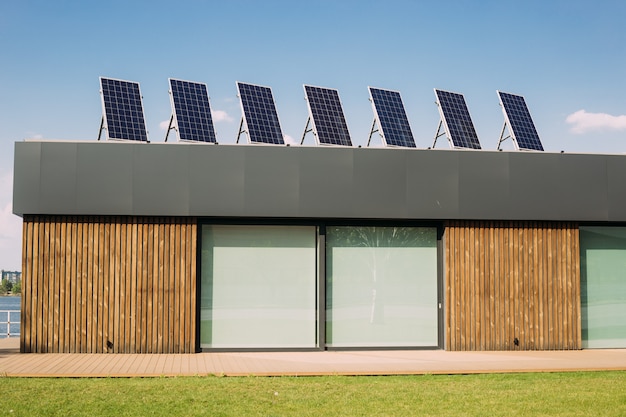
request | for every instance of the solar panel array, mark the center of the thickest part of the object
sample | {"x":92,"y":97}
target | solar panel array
{"x":391,"y":116}
{"x":122,"y":110}
{"x":326,"y":113}
{"x":521,"y":126}
{"x":457,"y":120}
{"x":123,"y":116}
{"x":259,"y":113}
{"x":192,"y":111}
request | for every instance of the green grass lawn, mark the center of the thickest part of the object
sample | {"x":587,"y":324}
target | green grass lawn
{"x":551,"y":394}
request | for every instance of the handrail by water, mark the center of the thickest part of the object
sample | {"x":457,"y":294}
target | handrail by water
{"x":9,"y":322}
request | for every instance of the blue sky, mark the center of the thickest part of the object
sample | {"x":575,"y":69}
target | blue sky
{"x":567,"y":58}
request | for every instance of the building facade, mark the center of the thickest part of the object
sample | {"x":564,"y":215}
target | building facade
{"x":150,"y":248}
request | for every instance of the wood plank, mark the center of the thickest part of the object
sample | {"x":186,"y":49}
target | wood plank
{"x":65,"y":282}
{"x":160,"y":285}
{"x":193,"y":277}
{"x":150,"y":290}
{"x":55,"y":287}
{"x":171,"y":288}
{"x":125,"y":287}
{"x":26,"y":316}
{"x":116,"y":337}
{"x":182,"y":288}
{"x":450,"y":296}
{"x":577,"y":283}
{"x":101,"y":264}
{"x":106,"y":274}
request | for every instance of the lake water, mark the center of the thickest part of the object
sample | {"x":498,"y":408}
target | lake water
{"x":12,"y":304}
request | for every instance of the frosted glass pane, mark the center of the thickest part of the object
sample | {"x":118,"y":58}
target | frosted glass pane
{"x":381,"y":287}
{"x":259,"y":287}
{"x":603,"y":286}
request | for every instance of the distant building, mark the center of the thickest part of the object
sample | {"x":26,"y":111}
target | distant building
{"x":12,"y":276}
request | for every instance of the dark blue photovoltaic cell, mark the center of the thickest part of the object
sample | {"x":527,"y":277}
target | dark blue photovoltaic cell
{"x":457,"y":120}
{"x":259,"y":113}
{"x":391,"y":116}
{"x":123,"y":110}
{"x":190,"y":105}
{"x":520,"y":123}
{"x":329,"y":123}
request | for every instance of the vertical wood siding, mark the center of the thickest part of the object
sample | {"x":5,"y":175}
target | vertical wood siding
{"x":108,"y":284}
{"x":512,"y":280}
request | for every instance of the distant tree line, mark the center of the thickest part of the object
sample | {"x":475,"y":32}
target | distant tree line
{"x":7,"y":287}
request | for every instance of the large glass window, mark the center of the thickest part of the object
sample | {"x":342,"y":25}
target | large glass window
{"x":381,"y":286}
{"x":259,"y":287}
{"x":603,"y":286}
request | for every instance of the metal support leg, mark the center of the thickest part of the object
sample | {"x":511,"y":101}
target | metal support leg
{"x":502,"y":138}
{"x":372,"y":131}
{"x":437,"y":134}
{"x":306,"y":130}
{"x":240,"y":129}
{"x":101,"y":127}
{"x":169,"y":127}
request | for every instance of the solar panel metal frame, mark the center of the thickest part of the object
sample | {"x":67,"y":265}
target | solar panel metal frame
{"x":386,"y":131}
{"x":315,"y":118}
{"x":254,"y":135}
{"x":205,"y":120}
{"x":136,"y":116}
{"x":517,"y":132}
{"x":446,"y":119}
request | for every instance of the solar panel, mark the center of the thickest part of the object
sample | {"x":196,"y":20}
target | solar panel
{"x":521,"y":126}
{"x":191,"y":111}
{"x":259,"y":113}
{"x":391,"y":117}
{"x":326,"y":114}
{"x":123,"y":116}
{"x":456,"y":120}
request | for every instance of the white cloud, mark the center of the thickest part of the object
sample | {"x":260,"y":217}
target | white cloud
{"x":583,"y":122}
{"x":290,"y":140}
{"x":221,"y":116}
{"x":164,"y":124}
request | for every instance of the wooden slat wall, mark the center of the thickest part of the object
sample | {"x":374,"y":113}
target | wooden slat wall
{"x":508,"y":280}
{"x":108,"y":284}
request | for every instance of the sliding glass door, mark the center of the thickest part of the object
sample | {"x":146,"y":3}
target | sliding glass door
{"x":381,"y":286}
{"x":603,"y":286}
{"x":259,"y":287}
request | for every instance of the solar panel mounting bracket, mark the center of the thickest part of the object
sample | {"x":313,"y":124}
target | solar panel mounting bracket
{"x":169,"y":127}
{"x":438,"y":134}
{"x":101,"y":127}
{"x":372,"y":131}
{"x":306,"y":130}
{"x":242,"y":130}
{"x":502,"y":137}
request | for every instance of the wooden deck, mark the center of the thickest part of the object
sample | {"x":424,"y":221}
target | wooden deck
{"x":15,"y":364}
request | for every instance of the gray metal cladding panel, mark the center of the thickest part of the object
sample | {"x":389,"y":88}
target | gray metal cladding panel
{"x":584,"y":187}
{"x":272,"y":179}
{"x":433,"y":184}
{"x":113,"y":178}
{"x":535,"y":185}
{"x":58,"y":176}
{"x":26,"y":176}
{"x":616,"y":184}
{"x":104,"y":179}
{"x":216,"y":180}
{"x":380,"y":183}
{"x":326,"y":182}
{"x":160,"y":184}
{"x":484,"y":186}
